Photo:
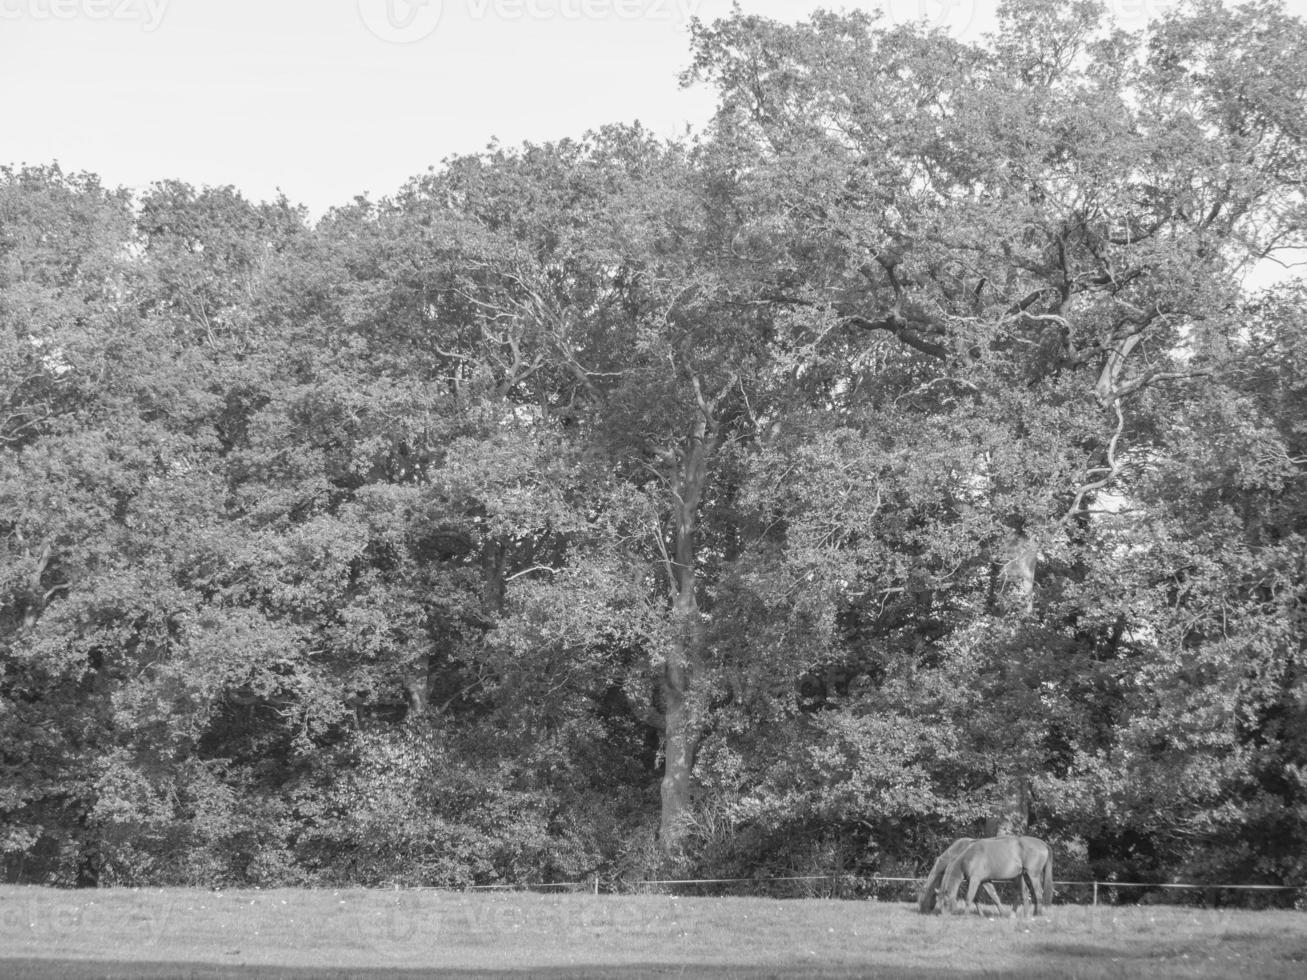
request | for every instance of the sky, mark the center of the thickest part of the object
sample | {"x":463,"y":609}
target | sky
{"x":327,"y":99}
{"x":323,"y":100}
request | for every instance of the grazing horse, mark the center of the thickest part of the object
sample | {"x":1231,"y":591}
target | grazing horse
{"x":926,"y":903}
{"x":1026,"y":859}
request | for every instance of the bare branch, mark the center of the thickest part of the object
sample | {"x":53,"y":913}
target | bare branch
{"x":528,"y":571}
{"x":1106,"y":390}
{"x":1109,"y":472}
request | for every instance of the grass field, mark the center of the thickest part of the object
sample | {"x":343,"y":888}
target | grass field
{"x":356,"y":933}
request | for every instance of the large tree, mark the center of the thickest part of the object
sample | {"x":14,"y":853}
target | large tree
{"x":903,"y":454}
{"x":1022,"y":260}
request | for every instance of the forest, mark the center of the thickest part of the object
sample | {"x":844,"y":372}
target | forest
{"x":909,"y":454}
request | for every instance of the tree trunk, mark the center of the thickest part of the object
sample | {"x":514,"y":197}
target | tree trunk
{"x":417,"y":687}
{"x":682,"y":719}
{"x":683,"y":673}
{"x":35,"y":595}
{"x":1013,"y":812}
{"x":494,"y":560}
{"x":1018,"y":572}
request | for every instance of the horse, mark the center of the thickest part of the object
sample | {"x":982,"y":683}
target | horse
{"x":1025,"y":859}
{"x":926,"y":902}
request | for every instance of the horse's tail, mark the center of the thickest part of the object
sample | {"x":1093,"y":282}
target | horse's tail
{"x":1048,"y":878}
{"x":926,"y":902}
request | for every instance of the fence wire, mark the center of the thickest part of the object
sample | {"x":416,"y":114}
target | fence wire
{"x":905,"y":889}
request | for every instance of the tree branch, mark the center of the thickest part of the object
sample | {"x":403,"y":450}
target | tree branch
{"x":903,"y":330}
{"x":1110,"y":471}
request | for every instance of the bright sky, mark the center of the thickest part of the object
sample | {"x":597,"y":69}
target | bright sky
{"x":326,"y":99}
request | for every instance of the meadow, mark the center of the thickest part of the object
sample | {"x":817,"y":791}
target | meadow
{"x":360,"y":933}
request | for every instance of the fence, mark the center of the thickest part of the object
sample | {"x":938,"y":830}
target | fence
{"x":888,"y":888}
{"x":1109,"y":892}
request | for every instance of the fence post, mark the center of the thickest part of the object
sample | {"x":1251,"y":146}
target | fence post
{"x":1095,"y":894}
{"x":596,"y":884}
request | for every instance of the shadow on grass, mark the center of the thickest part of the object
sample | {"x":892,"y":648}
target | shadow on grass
{"x":1289,"y":947}
{"x":1087,"y":951}
{"x":69,"y":969}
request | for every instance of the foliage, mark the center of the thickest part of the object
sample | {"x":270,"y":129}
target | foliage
{"x":900,"y":458}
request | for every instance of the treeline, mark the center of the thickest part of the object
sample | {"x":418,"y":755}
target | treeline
{"x":900,"y":458}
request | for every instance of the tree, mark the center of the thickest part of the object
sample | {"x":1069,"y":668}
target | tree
{"x":607,"y":325}
{"x":1023,"y":254}
{"x":903,"y":452}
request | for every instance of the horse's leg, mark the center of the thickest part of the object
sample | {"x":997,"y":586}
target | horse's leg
{"x":1046,"y":895}
{"x":1026,"y":885}
{"x":1036,"y":877}
{"x":992,"y":892}
{"x":973,"y":886}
